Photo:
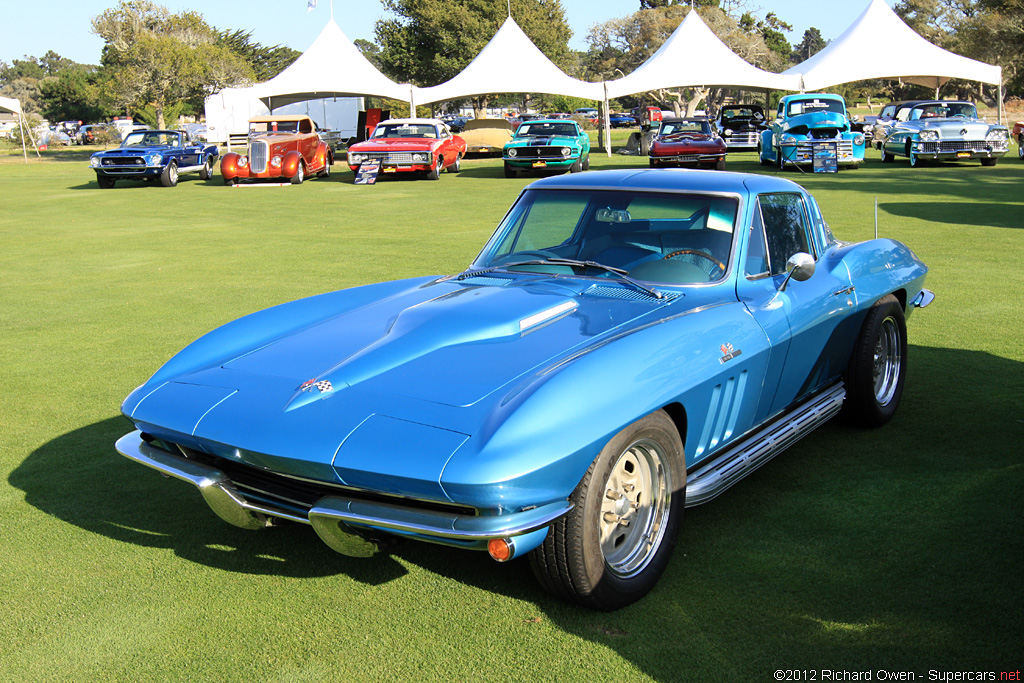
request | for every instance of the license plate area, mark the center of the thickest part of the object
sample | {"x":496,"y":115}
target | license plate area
{"x":540,"y":164}
{"x":963,"y":155}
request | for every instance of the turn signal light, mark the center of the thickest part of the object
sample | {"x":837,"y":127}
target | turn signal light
{"x":500,"y":549}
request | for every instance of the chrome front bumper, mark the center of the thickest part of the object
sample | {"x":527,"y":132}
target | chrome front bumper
{"x":342,"y":522}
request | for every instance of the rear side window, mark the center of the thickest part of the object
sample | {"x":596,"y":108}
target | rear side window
{"x":785,"y":228}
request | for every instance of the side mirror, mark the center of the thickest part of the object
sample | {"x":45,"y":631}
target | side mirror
{"x":799,"y":267}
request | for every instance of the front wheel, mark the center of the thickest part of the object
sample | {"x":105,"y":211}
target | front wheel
{"x":614,"y":545}
{"x":780,"y":160}
{"x":876,"y":371}
{"x":169,"y":176}
{"x":300,"y":175}
{"x":435,"y":172}
{"x":510,"y":171}
{"x":720,"y":164}
{"x":105,"y":182}
{"x":886,"y":157}
{"x":1020,"y":147}
{"x":586,"y":163}
{"x":989,"y":161}
{"x":576,"y":167}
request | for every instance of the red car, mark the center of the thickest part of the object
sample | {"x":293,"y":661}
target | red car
{"x":409,"y":145}
{"x":1018,"y":135}
{"x":285,"y":146}
{"x":688,"y":142}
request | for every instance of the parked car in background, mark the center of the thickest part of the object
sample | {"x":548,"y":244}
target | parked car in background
{"x":90,"y":134}
{"x":486,"y":136}
{"x":152,"y":154}
{"x":411,"y":146}
{"x":454,"y":122}
{"x":621,"y":120}
{"x":741,"y":125}
{"x":627,"y":343}
{"x":547,"y":145}
{"x":886,"y":117}
{"x":1018,"y":135}
{"x":804,"y":120}
{"x":280,"y":147}
{"x":589,"y":113}
{"x":70,"y":129}
{"x":943,"y":130}
{"x":688,"y":142}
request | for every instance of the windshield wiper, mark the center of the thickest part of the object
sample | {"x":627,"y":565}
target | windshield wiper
{"x":618,"y":272}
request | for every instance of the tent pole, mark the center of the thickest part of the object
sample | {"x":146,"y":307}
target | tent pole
{"x":24,"y":149}
{"x":412,"y":104}
{"x":1000,"y":120}
{"x":607,"y":123}
{"x":24,"y":128}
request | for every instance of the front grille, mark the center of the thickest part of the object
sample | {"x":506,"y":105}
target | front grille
{"x":259,"y":152}
{"x":390,"y":157}
{"x":963,"y":145}
{"x":124,"y":161}
{"x":805,"y":150}
{"x":538,"y":152}
{"x":747,"y":139}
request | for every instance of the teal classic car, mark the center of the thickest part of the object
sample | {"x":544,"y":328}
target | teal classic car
{"x":806,"y":121}
{"x":547,"y":144}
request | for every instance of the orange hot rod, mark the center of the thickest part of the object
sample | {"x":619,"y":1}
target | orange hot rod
{"x":284,"y":146}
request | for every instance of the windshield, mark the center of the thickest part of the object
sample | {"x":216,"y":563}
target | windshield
{"x":676,"y":127}
{"x":813,"y":104}
{"x":939,"y":110}
{"x":656,"y":237}
{"x":150,"y":138}
{"x":405,"y":130}
{"x":741,"y":113}
{"x":546,"y":129}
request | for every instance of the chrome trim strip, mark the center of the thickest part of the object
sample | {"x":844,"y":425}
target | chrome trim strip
{"x":923,"y":298}
{"x":433,"y":523}
{"x":710,"y":480}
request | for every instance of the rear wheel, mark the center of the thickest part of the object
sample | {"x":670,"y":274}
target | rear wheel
{"x":169,"y":177}
{"x":1020,"y":146}
{"x":615,"y":543}
{"x":456,"y":165}
{"x":206,"y":172}
{"x":876,"y":371}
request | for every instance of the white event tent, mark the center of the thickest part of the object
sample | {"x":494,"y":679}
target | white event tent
{"x":694,"y":56}
{"x":9,"y":105}
{"x":331,"y":67}
{"x":509,"y":63}
{"x":898,"y":52}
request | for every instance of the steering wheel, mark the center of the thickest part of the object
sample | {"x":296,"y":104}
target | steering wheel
{"x":695,"y":252}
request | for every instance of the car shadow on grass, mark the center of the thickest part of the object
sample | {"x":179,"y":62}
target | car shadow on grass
{"x":79,"y":478}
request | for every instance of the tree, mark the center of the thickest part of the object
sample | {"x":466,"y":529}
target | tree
{"x":430,"y":41}
{"x":70,"y":95}
{"x":153,"y":57}
{"x":265,"y":62}
{"x":809,"y":46}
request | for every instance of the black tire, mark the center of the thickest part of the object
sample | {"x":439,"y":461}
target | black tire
{"x":206,"y":172}
{"x":435,"y":173}
{"x":456,"y":165}
{"x":989,"y":161}
{"x":510,"y":171}
{"x":1020,"y":147}
{"x":169,"y":176}
{"x":720,"y":164}
{"x":878,"y":366}
{"x":326,"y":173}
{"x":642,"y":466}
{"x":586,"y":163}
{"x":105,"y":182}
{"x":300,"y":175}
{"x":780,"y":160}
{"x":231,"y":181}
{"x":576,"y":167}
{"x":652,"y":163}
{"x":886,"y":157}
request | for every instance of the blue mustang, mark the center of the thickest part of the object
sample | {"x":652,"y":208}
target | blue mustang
{"x":804,"y":121}
{"x":152,"y":154}
{"x":626,"y":344}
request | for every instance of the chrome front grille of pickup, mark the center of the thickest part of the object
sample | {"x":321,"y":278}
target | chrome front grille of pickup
{"x":258,"y":154}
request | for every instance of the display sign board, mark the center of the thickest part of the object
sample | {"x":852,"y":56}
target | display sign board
{"x":826,"y":157}
{"x":367,"y":173}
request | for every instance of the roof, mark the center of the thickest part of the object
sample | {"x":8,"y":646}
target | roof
{"x":432,"y":122}
{"x":815,"y":95}
{"x":668,"y":180}
{"x":509,"y":63}
{"x":694,"y":56}
{"x":331,"y":67}
{"x":905,"y":55}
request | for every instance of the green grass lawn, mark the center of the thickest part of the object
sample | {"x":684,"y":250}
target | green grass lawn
{"x":894,"y":549}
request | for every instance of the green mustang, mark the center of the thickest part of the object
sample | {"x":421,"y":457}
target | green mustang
{"x":557,"y":144}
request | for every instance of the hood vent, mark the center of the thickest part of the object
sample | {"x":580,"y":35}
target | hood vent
{"x":629,"y":294}
{"x":487,"y":280}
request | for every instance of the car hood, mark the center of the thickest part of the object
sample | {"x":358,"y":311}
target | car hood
{"x":545,"y":141}
{"x":817,"y":119}
{"x":402,"y":144}
{"x":950,"y":128}
{"x":135,"y":151}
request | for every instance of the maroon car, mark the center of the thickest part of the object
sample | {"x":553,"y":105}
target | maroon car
{"x":688,"y":142}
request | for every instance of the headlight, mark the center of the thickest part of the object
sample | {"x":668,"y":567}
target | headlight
{"x":728,"y":132}
{"x":94,"y":161}
{"x":421,"y":156}
{"x":998,"y":134}
{"x":354,"y":158}
{"x":154,"y":159}
{"x":858,"y":140}
{"x":512,"y":152}
{"x":788,"y":140}
{"x":565,"y":151}
{"x":276,"y":161}
{"x":928,"y":135}
{"x":243,"y":161}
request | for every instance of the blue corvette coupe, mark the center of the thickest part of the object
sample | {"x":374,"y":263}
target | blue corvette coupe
{"x":627,"y":343}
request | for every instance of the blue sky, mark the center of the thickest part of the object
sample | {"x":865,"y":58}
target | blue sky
{"x":64,"y":25}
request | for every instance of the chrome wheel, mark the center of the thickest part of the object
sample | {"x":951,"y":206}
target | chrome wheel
{"x":887,"y":361}
{"x":635,"y":508}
